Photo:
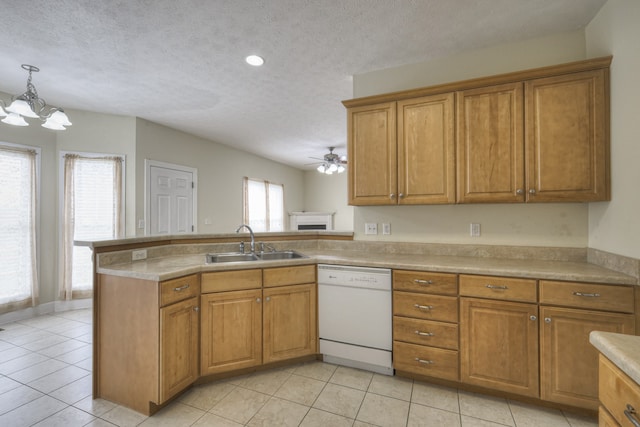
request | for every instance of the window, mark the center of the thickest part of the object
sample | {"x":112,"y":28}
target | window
{"x":263,"y":205}
{"x":92,"y":203}
{"x":18,"y":269}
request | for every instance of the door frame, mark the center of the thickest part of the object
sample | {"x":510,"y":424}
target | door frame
{"x":148,"y":164}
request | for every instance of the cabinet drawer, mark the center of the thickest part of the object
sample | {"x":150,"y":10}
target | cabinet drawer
{"x":423,"y":360}
{"x":425,"y":281}
{"x":231,"y":280}
{"x":587,"y":295}
{"x":428,"y":307}
{"x":616,"y":391}
{"x":178,"y":289}
{"x":502,"y":288}
{"x":426,"y":332}
{"x":283,"y":276}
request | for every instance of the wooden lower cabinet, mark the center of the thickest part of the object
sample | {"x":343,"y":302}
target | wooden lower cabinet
{"x":289,"y":322}
{"x":569,"y":363}
{"x":231,"y":331}
{"x":275,"y":321}
{"x":619,"y":395}
{"x":146,"y":339}
{"x":179,"y":338}
{"x":499,"y":345}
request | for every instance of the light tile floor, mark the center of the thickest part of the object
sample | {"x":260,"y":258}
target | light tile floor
{"x":45,"y":380}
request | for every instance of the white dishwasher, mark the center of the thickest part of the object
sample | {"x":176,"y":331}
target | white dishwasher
{"x":354,"y":316}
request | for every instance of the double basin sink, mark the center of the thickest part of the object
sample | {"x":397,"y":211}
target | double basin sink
{"x":253,"y":256}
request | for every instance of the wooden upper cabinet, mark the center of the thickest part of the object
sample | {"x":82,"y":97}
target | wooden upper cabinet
{"x":372,"y":154}
{"x":490,"y":144}
{"x":426,"y":150}
{"x":567,"y":137}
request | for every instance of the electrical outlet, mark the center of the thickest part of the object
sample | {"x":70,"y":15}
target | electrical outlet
{"x":138,"y":255}
{"x":141,"y":223}
{"x":386,"y":228}
{"x":474,"y":229}
{"x":371,"y":228}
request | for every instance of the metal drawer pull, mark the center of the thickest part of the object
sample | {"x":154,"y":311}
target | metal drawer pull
{"x":423,"y":282}
{"x":582,"y":294}
{"x":502,"y":288}
{"x":426,"y":362}
{"x":630,"y":413}
{"x":181,"y":288}
{"x":424,"y":334}
{"x":423,"y":307}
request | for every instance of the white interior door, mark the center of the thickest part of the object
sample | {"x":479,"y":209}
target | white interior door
{"x":171,"y":200}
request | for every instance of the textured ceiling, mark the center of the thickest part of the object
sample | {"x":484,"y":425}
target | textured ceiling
{"x":181,"y":62}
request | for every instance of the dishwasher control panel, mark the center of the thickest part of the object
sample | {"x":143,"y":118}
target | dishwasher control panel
{"x":358,"y":277}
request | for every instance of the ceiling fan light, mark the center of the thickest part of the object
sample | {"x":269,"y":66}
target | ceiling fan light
{"x":22,"y":107}
{"x":321,"y":168}
{"x":52,"y":124}
{"x":60,"y":117}
{"x":2,"y":112}
{"x":340,"y":169}
{"x":15,"y":119}
{"x":333,"y":167}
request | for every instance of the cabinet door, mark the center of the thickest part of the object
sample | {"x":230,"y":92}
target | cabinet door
{"x":567,"y":138}
{"x":569,"y":363}
{"x":231,"y":331}
{"x":179,"y":327}
{"x":499,"y":345}
{"x":426,"y":150}
{"x":490,"y":147}
{"x":289,"y":322}
{"x":372,"y":154}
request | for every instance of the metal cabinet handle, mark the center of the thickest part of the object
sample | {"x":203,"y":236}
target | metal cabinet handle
{"x":258,"y":300}
{"x":401,"y":195}
{"x":196,"y":308}
{"x":630,"y":413}
{"x":423,"y":282}
{"x":532,"y":317}
{"x":392,"y":196}
{"x":501,"y":287}
{"x":532,"y":191}
{"x":547,"y":320}
{"x":423,"y":307}
{"x":181,"y":288}
{"x":426,"y":362}
{"x":519,"y":191}
{"x":586,"y":295}
{"x":424,"y":334}
{"x":268,"y":298}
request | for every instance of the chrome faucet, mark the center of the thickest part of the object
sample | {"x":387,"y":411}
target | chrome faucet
{"x":253,"y":238}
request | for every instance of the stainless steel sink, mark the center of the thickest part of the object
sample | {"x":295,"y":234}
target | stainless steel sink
{"x":231,"y":257}
{"x":270,"y":256}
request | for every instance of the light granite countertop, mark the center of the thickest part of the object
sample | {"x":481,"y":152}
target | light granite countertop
{"x":623,"y":350}
{"x":169,"y":267}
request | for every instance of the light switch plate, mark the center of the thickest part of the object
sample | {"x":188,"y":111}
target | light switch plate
{"x":474,"y":229}
{"x":138,"y":255}
{"x":371,"y":228}
{"x":386,"y":228}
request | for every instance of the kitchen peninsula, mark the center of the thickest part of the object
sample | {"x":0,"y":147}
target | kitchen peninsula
{"x":171,"y":300}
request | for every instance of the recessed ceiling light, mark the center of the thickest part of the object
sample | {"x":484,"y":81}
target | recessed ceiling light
{"x":254,"y":60}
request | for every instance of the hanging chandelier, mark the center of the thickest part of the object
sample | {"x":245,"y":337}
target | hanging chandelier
{"x":332,"y":163}
{"x":29,"y":104}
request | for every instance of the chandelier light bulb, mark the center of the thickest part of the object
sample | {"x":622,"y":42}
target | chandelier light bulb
{"x":22,"y":107}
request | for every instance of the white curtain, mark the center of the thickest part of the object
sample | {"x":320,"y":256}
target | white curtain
{"x":92,"y":211}
{"x":263,"y":205}
{"x":18,"y":269}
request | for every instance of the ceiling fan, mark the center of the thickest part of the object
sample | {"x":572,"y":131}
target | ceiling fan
{"x":330,"y":163}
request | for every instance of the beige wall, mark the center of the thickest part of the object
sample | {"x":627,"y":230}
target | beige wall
{"x":220,"y":173}
{"x":328,"y":193}
{"x":614,"y":226}
{"x":564,"y":225}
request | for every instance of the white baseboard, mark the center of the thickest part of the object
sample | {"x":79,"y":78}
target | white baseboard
{"x":46,"y":308}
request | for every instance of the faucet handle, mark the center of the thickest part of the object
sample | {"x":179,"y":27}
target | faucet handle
{"x":241,"y":247}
